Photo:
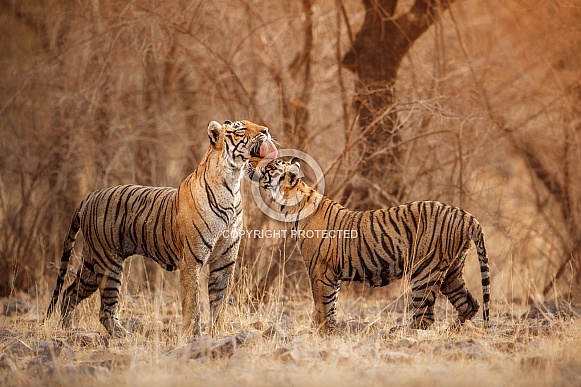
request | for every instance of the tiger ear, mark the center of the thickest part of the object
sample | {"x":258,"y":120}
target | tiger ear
{"x":296,"y":161}
{"x":215,"y":131}
{"x":294,"y":171}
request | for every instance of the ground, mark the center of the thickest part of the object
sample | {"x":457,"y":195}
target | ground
{"x":272,"y":343}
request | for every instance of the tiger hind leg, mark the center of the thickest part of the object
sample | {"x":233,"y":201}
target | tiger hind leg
{"x":82,"y":287}
{"x":110,"y":288}
{"x":460,"y":297}
{"x":425,"y":289}
{"x":423,"y":308}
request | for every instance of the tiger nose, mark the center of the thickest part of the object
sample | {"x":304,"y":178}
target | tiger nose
{"x":264,"y":130}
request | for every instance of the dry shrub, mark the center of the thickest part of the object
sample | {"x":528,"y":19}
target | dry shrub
{"x":103,"y":93}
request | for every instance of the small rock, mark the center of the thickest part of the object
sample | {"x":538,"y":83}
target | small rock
{"x":18,"y":348}
{"x":396,"y":357}
{"x":299,"y":356}
{"x":341,"y":355}
{"x":7,"y":334}
{"x":89,"y":339}
{"x":274,"y":331}
{"x":86,"y":369}
{"x":552,"y":310}
{"x":42,"y":368}
{"x":224,"y":348}
{"x":504,"y":346}
{"x":474,"y":352}
{"x":300,"y":340}
{"x":405,"y":342}
{"x":56,"y":349}
{"x":15,"y":307}
{"x":523,"y":339}
{"x":38,"y":366}
{"x":111,"y":360}
{"x":200,"y":347}
{"x":280,"y":351}
{"x":6,"y":363}
{"x":246,"y":336}
{"x":204,"y":347}
{"x":470,"y":348}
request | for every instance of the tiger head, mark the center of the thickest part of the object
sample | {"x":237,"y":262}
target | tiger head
{"x":239,"y":141}
{"x":282,"y":180}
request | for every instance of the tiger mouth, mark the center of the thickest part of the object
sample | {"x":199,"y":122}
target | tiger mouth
{"x":263,"y":147}
{"x":255,"y":149}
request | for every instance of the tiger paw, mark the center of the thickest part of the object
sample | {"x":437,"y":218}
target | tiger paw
{"x":114,"y":328}
{"x":118,"y":332}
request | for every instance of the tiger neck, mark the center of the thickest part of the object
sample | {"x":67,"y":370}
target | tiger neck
{"x":303,"y":213}
{"x":222,"y":168}
{"x":321,"y":212}
{"x":214,"y":184}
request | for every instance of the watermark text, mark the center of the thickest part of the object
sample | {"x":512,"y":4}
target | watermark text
{"x":271,"y":234}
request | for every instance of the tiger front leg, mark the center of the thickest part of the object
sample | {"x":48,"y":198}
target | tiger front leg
{"x":190,"y":290}
{"x":325,"y":294}
{"x":219,"y":282}
{"x":221,"y":276}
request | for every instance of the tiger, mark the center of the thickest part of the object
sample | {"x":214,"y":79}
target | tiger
{"x":427,"y":241}
{"x":179,"y":228}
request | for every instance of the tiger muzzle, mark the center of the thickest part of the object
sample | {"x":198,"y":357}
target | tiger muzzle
{"x":264,"y":147}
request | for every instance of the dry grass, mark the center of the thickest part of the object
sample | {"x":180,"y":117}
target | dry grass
{"x":272,"y":343}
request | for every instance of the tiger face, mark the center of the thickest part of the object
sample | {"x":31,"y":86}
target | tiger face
{"x":281,"y":179}
{"x":241,"y":140}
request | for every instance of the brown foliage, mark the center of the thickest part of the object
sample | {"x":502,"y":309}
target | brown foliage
{"x":103,"y":92}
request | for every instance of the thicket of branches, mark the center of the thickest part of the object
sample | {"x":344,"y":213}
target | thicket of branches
{"x":481,"y":110}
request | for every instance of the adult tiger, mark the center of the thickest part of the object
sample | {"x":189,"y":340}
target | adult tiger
{"x":177,"y":227}
{"x":427,"y":239}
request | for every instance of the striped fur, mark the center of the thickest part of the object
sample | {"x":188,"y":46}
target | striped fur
{"x":179,"y":228}
{"x":427,"y":241}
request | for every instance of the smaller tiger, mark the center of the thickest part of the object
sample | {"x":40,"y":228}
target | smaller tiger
{"x":426,"y":240}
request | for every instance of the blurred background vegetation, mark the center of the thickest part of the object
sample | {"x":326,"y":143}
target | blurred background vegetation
{"x":475,"y":103}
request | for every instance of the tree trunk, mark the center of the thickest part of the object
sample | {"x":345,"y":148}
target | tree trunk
{"x":375,"y":57}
